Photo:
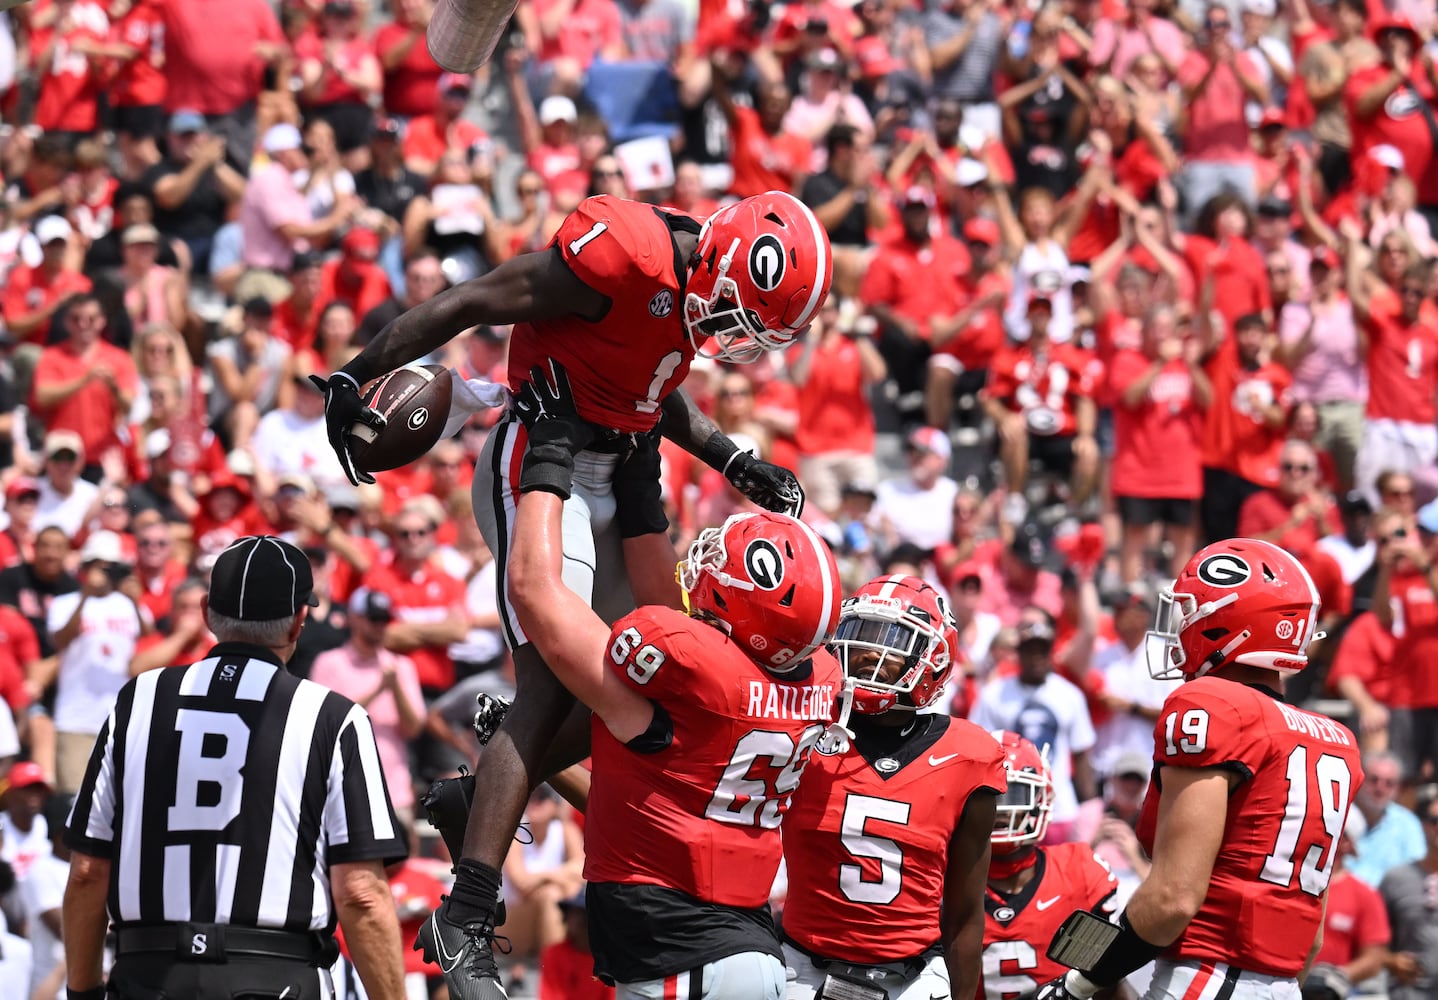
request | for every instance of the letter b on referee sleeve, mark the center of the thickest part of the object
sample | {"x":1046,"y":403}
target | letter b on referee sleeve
{"x":208,"y":781}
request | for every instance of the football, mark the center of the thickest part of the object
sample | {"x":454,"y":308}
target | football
{"x":415,"y":403}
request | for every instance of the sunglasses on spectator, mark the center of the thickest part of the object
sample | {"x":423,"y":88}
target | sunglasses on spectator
{"x":153,"y":543}
{"x":414,"y":533}
{"x":735,"y":393}
{"x":1295,"y":467}
{"x":1398,"y":493}
{"x":1280,"y":270}
{"x":1411,"y":291}
{"x":528,"y":192}
{"x":608,"y":173}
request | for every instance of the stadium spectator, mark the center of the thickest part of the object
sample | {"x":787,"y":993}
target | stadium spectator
{"x":1130,"y":697}
{"x":423,"y":280}
{"x":410,"y":72}
{"x":24,"y":829}
{"x":66,"y":499}
{"x":297,"y":316}
{"x":1394,"y":835}
{"x":428,"y":136}
{"x":193,"y":187}
{"x":1406,"y":893}
{"x":1356,"y":933}
{"x":274,"y":213}
{"x":41,"y":891}
{"x":34,"y":293}
{"x":340,"y":76}
{"x":1296,"y":513}
{"x":250,"y":370}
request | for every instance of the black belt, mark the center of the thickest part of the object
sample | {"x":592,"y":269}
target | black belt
{"x":197,"y":942}
{"x":607,"y":440}
{"x":877,"y":972}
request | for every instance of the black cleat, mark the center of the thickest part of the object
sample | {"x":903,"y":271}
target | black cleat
{"x":464,"y":954}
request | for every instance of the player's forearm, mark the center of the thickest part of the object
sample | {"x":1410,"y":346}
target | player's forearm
{"x":85,"y":921}
{"x":688,"y":427}
{"x":649,"y":563}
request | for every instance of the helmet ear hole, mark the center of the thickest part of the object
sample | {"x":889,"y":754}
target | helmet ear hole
{"x":719,"y":599}
{"x":1268,"y":575}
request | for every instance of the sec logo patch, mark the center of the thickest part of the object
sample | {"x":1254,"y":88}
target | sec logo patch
{"x":662,"y":304}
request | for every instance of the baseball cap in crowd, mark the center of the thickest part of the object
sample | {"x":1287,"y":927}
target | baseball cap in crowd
{"x":339,"y":8}
{"x":966,"y":571}
{"x":361,"y":242}
{"x":388,"y":128}
{"x":1322,"y":257}
{"x":827,"y":59}
{"x":282,"y":137}
{"x":1040,"y":297}
{"x":449,"y":82}
{"x":103,"y":546}
{"x":982,"y":230}
{"x":917,"y":195}
{"x":240,"y":462}
{"x":1428,"y":517}
{"x":1275,"y":207}
{"x":52,"y":228}
{"x":372,"y":605}
{"x":261,"y":578}
{"x":259,"y":306}
{"x":1394,"y":21}
{"x":1264,"y":8}
{"x":874,"y":58}
{"x":22,"y":486}
{"x":58,"y":442}
{"x":1132,"y":763}
{"x":557,"y":108}
{"x":970,"y":172}
{"x":157,"y":442}
{"x":1388,"y":155}
{"x":186,"y":121}
{"x":296,"y":481}
{"x":1272,"y":118}
{"x":1029,"y":547}
{"x":141,"y":232}
{"x":1035,"y":631}
{"x":26,"y":774}
{"x":341,"y":496}
{"x":931,"y":440}
{"x":1355,"y":502}
{"x":304,"y":260}
{"x":1137,"y":595}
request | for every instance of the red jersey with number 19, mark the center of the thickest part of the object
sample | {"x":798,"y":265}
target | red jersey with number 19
{"x":1299,"y":774}
{"x":867,"y":840}
{"x":625,"y":361}
{"x":1018,"y":928}
{"x":702,"y":815}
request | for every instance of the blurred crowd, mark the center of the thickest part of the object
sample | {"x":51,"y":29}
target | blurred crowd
{"x":1111,"y":278}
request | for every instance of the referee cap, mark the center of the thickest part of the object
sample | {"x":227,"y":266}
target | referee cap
{"x":261,"y":578}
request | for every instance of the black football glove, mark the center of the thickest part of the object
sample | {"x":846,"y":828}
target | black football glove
{"x":344,"y":409}
{"x":490,"y":711}
{"x":638,"y":492}
{"x":556,"y":431}
{"x":771,"y":486}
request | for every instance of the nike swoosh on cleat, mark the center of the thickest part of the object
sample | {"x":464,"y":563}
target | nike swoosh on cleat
{"x":446,"y":962}
{"x":936,"y":761}
{"x":1044,"y":904}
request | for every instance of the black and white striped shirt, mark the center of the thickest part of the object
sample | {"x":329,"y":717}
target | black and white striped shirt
{"x":222,"y":792}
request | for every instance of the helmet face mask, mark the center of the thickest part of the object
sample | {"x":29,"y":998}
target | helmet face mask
{"x":895,"y":641}
{"x":1023,"y":812}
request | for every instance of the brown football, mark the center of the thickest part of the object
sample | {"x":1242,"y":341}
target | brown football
{"x":415,"y":404}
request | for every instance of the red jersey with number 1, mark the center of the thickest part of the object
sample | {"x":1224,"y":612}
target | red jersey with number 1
{"x":1018,"y":928}
{"x":867,"y":840}
{"x":623,"y":363}
{"x":702,"y":815}
{"x":1299,"y":772}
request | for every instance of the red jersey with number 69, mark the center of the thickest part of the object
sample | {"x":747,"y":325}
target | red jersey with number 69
{"x":1298,"y":774}
{"x":624,"y":362}
{"x":702,"y":815}
{"x":1018,"y":928}
{"x":867,"y":839}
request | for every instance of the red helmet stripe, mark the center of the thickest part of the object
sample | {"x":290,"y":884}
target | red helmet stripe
{"x":817,"y":287}
{"x":827,"y":584}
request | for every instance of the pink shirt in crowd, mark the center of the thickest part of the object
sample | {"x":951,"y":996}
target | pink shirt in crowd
{"x":1333,"y":371}
{"x":272,"y":199}
{"x":342,"y":671}
{"x":1126,"y":43}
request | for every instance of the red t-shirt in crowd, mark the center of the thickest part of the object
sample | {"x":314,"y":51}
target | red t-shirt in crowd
{"x":1415,"y":629}
{"x":295,"y":329}
{"x":19,"y":647}
{"x":1356,"y":919}
{"x":1399,"y":121}
{"x":362,"y":288}
{"x":974,"y":346}
{"x":1046,"y":387}
{"x":590,"y":27}
{"x":410,"y":85}
{"x":917,"y":282}
{"x":1402,"y":361}
{"x":427,"y":596}
{"x":1236,"y":437}
{"x":140,"y":81}
{"x":1366,"y":652}
{"x":764,"y":162}
{"x":1269,"y":509}
{"x":834,"y":412}
{"x":566,"y":973}
{"x":210,"y":57}
{"x":157,"y":592}
{"x":1158,"y":438}
{"x":1240,"y":279}
{"x":30,"y":288}
{"x":92,"y":412}
{"x":1217,"y":129}
{"x":69,"y":92}
{"x":349,"y":55}
{"x":427,"y":139}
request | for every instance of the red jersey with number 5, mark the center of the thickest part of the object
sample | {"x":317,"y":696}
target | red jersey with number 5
{"x":1298,"y":774}
{"x":702,"y":815}
{"x":1018,"y":928}
{"x":867,"y":840}
{"x":624,"y":362}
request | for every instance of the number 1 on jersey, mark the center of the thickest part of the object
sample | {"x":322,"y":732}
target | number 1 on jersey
{"x":577,"y":245}
{"x":668,"y":365}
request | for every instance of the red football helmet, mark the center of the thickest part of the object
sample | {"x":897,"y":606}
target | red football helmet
{"x":769,"y":580}
{"x":764,"y":270}
{"x":1237,"y":601}
{"x":900,"y":618}
{"x":1023,"y":810}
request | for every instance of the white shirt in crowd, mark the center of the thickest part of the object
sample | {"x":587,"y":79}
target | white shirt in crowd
{"x":64,"y":512}
{"x":1354,"y":562}
{"x":96,"y":665}
{"x":923,"y":517}
{"x":480,"y":645}
{"x":41,"y":891}
{"x":22,"y":848}
{"x":9,"y":736}
{"x":286,"y":444}
{"x":1053,"y":713}
{"x":1125,"y":673}
{"x":16,"y":961}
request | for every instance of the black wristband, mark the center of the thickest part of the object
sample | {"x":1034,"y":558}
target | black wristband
{"x":94,"y":993}
{"x":547,"y":468}
{"x":717,"y":451}
{"x":1126,"y":953}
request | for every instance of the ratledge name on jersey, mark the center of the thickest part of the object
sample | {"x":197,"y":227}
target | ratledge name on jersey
{"x":787,"y":701}
{"x":1314,"y":725}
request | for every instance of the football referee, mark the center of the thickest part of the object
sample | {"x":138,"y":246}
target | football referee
{"x":230,"y":813}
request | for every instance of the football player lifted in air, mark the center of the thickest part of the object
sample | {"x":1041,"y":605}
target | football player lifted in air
{"x":1248,"y":798}
{"x":702,"y":726}
{"x":1032,"y":889}
{"x":887,"y":845}
{"x":623,"y":298}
